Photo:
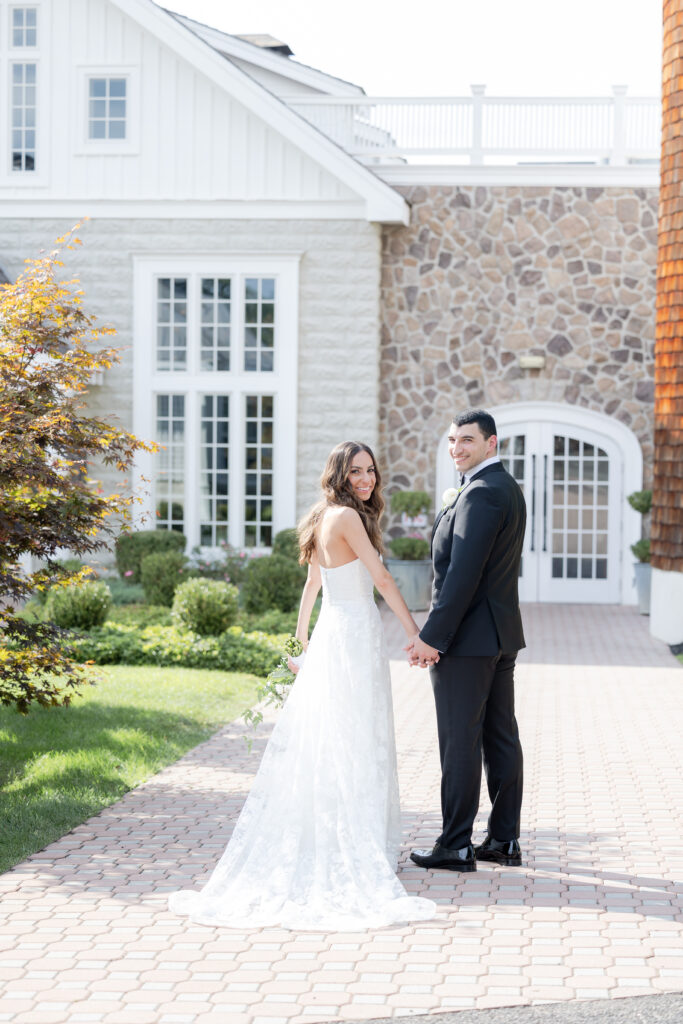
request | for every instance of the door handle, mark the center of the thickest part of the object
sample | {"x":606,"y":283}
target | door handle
{"x":545,"y":502}
{"x":533,"y":503}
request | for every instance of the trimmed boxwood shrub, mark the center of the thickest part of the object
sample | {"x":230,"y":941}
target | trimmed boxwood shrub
{"x":78,"y":605}
{"x":274,"y":621}
{"x":286,"y":543}
{"x":410,"y":548}
{"x":131,"y":548}
{"x":207,"y":607}
{"x":125,"y":593}
{"x":160,"y":575}
{"x":272,"y":582}
{"x":232,"y":651}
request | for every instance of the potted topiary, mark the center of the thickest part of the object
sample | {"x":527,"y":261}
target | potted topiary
{"x":409,"y":563}
{"x":641,"y":501}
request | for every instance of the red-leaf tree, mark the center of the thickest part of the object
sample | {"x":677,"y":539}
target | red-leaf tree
{"x":50,"y":348}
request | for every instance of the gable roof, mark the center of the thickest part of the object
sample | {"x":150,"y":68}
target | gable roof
{"x":382,"y":203}
{"x":246,"y":48}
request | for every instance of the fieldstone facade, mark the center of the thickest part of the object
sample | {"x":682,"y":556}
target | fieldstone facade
{"x":483,"y":275}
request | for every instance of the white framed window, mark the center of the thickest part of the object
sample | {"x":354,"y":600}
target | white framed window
{"x":109,"y":110}
{"x":170,"y":478}
{"x":227,"y":423}
{"x":23,"y":114}
{"x":23,"y":26}
{"x":107,"y":107}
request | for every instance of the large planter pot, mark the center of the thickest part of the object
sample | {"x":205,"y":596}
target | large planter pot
{"x":643,"y":574}
{"x":414,"y":580}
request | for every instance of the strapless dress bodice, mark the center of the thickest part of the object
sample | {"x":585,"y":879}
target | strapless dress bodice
{"x":348,"y":582}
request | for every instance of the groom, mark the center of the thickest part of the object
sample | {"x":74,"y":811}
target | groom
{"x":470,"y":640}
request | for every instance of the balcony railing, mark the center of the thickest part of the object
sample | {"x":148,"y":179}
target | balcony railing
{"x":479,"y":129}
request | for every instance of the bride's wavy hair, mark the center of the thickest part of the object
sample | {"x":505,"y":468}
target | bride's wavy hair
{"x":336,"y":490}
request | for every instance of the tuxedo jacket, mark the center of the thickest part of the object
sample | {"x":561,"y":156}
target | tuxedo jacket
{"x":476,"y":551}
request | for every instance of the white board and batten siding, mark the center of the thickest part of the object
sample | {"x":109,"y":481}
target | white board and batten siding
{"x":186,"y":138}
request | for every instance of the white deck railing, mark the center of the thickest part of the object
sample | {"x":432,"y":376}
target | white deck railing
{"x":616,"y":129}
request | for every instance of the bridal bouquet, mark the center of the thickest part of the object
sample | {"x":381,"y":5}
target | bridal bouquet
{"x":275,"y":688}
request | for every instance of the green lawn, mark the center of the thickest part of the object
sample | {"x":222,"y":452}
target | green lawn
{"x":58,"y":766}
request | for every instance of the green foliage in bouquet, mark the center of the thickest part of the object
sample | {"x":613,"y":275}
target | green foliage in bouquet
{"x":410,"y":549}
{"x":275,"y":688}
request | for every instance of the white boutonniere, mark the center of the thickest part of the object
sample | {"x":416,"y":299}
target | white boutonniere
{"x":449,"y":496}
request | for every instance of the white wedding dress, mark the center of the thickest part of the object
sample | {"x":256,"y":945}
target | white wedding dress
{"x":316,"y":844}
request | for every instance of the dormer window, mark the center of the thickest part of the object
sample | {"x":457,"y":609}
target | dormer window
{"x":24,"y":26}
{"x":107,"y":108}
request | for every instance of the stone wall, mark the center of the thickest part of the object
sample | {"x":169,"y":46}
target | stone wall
{"x":338,"y":310}
{"x":483,"y":275}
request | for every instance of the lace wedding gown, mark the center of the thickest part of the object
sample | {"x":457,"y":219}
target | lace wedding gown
{"x":316,"y":844}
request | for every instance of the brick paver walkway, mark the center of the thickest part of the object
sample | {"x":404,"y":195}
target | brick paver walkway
{"x":595,"y":911}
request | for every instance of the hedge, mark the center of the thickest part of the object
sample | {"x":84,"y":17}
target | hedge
{"x":232,"y":651}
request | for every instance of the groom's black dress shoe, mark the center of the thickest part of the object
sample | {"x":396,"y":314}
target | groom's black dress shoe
{"x":506,"y":852}
{"x":451,"y":860}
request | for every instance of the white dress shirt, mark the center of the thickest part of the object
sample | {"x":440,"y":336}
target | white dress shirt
{"x":467,"y":477}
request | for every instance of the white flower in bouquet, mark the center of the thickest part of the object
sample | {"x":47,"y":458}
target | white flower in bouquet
{"x":449,"y":496}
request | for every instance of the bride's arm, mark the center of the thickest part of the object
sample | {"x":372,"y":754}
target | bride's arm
{"x":353,"y":532}
{"x":310,"y":592}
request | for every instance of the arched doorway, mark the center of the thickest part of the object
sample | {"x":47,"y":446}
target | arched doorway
{"x":575,"y":468}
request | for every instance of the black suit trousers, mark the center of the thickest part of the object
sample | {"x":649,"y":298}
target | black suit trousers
{"x":475,"y":713}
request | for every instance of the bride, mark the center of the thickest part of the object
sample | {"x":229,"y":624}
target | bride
{"x":316,"y":844}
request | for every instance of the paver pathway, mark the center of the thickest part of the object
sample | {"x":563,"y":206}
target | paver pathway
{"x":596,"y":911}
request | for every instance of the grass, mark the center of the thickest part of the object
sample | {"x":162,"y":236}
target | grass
{"x":59,"y":766}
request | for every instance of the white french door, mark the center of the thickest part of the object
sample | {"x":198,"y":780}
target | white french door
{"x":573,"y":490}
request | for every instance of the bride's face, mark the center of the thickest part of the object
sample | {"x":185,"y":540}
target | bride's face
{"x":361,"y":476}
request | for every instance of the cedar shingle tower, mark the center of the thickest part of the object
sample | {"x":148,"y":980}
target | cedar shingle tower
{"x":667,"y":507}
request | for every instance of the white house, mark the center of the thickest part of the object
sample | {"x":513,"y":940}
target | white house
{"x":234,"y":247}
{"x":284,"y":270}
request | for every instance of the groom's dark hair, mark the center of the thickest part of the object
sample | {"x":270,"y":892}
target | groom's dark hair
{"x":483,"y":419}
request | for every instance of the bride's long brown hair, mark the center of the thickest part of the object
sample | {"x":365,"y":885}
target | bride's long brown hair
{"x":338,"y":491}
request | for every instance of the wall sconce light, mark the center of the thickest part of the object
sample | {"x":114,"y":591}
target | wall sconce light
{"x":531,"y":362}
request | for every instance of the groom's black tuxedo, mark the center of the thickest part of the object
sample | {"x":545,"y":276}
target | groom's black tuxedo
{"x":475,"y":624}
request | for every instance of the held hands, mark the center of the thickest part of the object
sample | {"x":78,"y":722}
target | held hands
{"x":420,"y":654}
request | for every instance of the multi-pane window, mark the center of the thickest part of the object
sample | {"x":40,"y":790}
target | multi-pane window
{"x":24,"y":26}
{"x":107,"y":108}
{"x":170,"y":477}
{"x":580,"y":509}
{"x":23,"y":114}
{"x":259,"y":323}
{"x":215,"y":323}
{"x":258,"y":465}
{"x":214,"y":463}
{"x":511,"y":452}
{"x":171,"y":323}
{"x":218,"y":402}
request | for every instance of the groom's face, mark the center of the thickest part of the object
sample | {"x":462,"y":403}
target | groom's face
{"x":468,"y":447}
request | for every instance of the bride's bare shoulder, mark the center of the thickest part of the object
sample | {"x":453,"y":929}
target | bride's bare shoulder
{"x":339,"y":518}
{"x":340,"y":514}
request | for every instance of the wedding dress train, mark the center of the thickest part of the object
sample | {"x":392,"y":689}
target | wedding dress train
{"x":316,"y":844}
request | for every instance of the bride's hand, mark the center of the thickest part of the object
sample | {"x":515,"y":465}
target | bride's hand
{"x":292,"y":666}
